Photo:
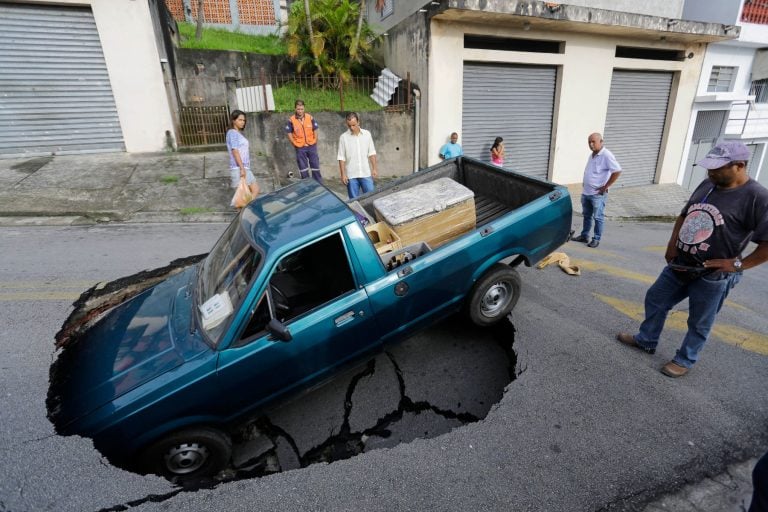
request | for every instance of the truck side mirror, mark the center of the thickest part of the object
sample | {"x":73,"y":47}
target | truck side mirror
{"x":277,"y":329}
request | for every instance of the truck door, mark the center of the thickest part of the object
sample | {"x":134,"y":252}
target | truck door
{"x":414,"y":294}
{"x":313,"y":293}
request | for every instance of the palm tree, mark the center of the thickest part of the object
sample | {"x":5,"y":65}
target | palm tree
{"x":199,"y":29}
{"x":312,"y":45}
{"x":340,"y":36}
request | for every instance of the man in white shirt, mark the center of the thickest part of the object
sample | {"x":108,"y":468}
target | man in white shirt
{"x":357,"y":158}
{"x":601,"y":172}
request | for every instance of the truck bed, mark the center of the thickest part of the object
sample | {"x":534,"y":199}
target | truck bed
{"x":497,"y":191}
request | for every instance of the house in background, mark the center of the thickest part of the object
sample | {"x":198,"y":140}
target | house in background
{"x":251,"y":16}
{"x":544,"y":75}
{"x":732,"y":95}
{"x":81,"y":76}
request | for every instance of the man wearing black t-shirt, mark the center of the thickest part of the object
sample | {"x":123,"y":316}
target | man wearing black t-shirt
{"x":704,"y":259}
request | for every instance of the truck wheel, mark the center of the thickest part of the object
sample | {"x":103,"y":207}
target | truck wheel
{"x":188,"y":454}
{"x":494,"y":295}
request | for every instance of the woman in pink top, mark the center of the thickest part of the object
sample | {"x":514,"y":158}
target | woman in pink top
{"x":497,"y":152}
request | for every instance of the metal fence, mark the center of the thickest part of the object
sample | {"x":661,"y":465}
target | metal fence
{"x":203,"y":126}
{"x":326,"y":93}
{"x":204,"y":102}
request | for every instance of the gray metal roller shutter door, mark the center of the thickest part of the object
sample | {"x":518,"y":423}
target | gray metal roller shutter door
{"x":55,"y":94}
{"x":637,"y":111}
{"x":512,"y":102}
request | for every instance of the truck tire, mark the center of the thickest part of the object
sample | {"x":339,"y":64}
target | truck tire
{"x":188,"y":454}
{"x":494,"y":295}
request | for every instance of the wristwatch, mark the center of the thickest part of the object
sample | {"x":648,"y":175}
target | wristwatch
{"x":737,"y":263}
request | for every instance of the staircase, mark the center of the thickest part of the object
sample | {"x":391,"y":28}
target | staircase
{"x":385,"y":87}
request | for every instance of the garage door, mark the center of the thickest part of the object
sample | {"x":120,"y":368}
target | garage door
{"x":637,"y":112}
{"x":55,"y":95}
{"x":513,"y":102}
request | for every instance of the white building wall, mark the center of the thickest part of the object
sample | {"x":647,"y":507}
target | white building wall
{"x":133,"y":64}
{"x":581,"y":100}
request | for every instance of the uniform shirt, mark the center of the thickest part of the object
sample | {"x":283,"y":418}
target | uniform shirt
{"x":451,"y":150}
{"x":720,"y":222}
{"x":355,"y":150}
{"x":598,"y":171}
{"x":236,"y":140}
{"x":307,"y":121}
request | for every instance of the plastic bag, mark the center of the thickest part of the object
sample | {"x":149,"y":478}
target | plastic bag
{"x":243,"y":194}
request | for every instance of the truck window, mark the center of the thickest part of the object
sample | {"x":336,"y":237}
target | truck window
{"x":310,"y":277}
{"x":302,"y":281}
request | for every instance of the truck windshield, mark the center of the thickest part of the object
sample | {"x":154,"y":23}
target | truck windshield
{"x":224,"y":279}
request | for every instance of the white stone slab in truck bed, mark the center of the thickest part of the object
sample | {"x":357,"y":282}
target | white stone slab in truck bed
{"x":425,"y":199}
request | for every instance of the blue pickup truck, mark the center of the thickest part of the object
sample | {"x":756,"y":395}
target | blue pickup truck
{"x":293,"y":290}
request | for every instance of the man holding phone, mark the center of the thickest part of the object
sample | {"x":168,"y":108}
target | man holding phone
{"x":601,"y":172}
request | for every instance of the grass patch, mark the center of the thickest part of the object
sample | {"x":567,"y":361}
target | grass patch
{"x":221,"y":39}
{"x":357,"y":100}
{"x":195,"y":210}
{"x":169,"y":179}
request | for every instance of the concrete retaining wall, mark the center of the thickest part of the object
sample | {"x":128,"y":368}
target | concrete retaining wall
{"x":392,"y":135}
{"x":200,"y":73}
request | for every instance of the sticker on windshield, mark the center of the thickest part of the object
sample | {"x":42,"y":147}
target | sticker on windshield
{"x":216,"y":309}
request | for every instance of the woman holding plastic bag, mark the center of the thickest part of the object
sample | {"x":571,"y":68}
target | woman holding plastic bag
{"x":240,"y":162}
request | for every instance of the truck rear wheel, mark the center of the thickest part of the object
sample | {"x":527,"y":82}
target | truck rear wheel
{"x":188,"y":454}
{"x":494,"y":295}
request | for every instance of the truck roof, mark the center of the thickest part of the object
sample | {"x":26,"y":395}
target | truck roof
{"x":291,"y":213}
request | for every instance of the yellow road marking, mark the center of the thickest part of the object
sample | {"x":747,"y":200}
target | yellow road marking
{"x":636,"y":276}
{"x":579,"y":247}
{"x":656,"y":248}
{"x":616,"y":271}
{"x":677,"y":320}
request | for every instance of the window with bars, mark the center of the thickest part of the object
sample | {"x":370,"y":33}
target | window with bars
{"x":759,"y":90}
{"x":388,"y":8}
{"x":722,"y":78}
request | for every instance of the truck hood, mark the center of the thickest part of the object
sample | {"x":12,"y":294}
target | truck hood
{"x":132,"y":344}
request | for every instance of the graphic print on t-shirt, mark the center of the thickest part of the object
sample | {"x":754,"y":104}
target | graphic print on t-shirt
{"x":698,"y":227}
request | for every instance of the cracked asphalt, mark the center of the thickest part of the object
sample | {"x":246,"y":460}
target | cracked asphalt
{"x":585,"y":425}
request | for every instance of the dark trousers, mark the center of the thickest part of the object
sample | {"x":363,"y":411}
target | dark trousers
{"x":307,"y":160}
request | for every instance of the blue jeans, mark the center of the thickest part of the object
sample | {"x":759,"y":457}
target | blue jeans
{"x":359,"y":186}
{"x":593,"y":207}
{"x":705,"y":298}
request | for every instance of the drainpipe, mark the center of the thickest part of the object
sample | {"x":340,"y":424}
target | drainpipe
{"x":416,"y":128}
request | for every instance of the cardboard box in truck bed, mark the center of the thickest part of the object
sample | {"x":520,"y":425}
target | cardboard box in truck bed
{"x":433,"y":212}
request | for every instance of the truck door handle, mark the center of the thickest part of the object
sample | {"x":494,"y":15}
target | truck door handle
{"x":343,"y":319}
{"x":404,"y":272}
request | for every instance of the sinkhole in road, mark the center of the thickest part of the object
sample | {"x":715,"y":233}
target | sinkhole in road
{"x":429,"y":384}
{"x":422,"y":387}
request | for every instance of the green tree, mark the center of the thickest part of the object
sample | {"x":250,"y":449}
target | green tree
{"x":200,"y":18}
{"x":328,"y":36}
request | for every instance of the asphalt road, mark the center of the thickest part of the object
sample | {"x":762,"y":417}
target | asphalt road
{"x":586,"y":424}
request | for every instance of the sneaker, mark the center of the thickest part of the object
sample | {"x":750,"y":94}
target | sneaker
{"x":630,"y":340}
{"x":594,"y":243}
{"x":580,"y":238}
{"x":674,"y":370}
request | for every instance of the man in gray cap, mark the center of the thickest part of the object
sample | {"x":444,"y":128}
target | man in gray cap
{"x":703,"y":255}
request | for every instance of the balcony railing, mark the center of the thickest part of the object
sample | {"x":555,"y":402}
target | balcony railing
{"x":755,"y":11}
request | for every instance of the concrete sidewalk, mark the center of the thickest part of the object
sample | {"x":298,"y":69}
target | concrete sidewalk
{"x":194,"y":187}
